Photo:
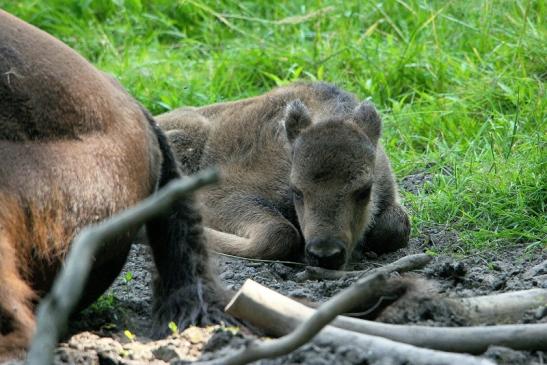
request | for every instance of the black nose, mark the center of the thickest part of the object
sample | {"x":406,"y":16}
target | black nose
{"x":326,"y":253}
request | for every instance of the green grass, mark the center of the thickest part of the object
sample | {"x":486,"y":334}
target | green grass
{"x":461,"y":84}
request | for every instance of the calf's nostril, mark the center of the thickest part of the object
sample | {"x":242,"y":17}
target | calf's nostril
{"x":326,"y":253}
{"x":323,"y":251}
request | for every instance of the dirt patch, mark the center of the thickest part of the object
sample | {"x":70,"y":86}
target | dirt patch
{"x":416,"y":183}
{"x":116,"y":328}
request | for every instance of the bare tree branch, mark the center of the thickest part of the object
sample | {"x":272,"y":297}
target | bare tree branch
{"x":318,"y":273}
{"x":55,"y":308}
{"x":384,"y":351}
{"x":308,"y":329}
{"x":277,"y":314}
{"x":304,"y":331}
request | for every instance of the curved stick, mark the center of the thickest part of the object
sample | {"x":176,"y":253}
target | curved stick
{"x":305,"y":331}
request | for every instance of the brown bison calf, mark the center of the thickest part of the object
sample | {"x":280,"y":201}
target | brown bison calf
{"x":301,"y":164}
{"x":75,"y":148}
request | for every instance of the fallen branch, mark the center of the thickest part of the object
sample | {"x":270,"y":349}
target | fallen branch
{"x":55,"y":308}
{"x":274,"y":313}
{"x":407,"y":263}
{"x":304,"y":331}
{"x":501,"y":308}
{"x":384,"y":351}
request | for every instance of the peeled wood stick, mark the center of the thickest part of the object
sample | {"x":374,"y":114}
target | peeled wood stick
{"x":277,"y":315}
{"x":55,"y":308}
{"x":495,"y":308}
{"x":504,"y":307}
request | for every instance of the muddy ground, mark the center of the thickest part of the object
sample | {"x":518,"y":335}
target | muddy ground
{"x":114,"y":330}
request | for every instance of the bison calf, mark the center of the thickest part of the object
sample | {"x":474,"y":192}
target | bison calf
{"x":75,"y":148}
{"x":302,"y":167}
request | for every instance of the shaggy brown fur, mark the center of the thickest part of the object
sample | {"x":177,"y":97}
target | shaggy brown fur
{"x":76,"y":148}
{"x":302,"y":166}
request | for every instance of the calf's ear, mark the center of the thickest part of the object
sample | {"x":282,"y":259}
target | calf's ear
{"x":366,"y":117}
{"x":297,"y":118}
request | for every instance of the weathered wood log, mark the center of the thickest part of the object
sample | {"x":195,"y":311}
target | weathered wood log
{"x":501,"y":308}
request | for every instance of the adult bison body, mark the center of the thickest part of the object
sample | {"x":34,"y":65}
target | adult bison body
{"x":75,"y":148}
{"x":304,"y":171}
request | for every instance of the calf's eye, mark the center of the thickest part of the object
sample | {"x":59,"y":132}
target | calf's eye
{"x":297,"y":194}
{"x":363,"y":193}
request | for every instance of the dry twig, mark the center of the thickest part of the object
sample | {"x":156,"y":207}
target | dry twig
{"x":412,"y":262}
{"x":264,"y":261}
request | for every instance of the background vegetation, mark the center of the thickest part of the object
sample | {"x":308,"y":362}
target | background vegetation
{"x":461,"y":84}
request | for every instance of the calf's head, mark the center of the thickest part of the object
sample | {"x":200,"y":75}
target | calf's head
{"x":331,"y":179}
